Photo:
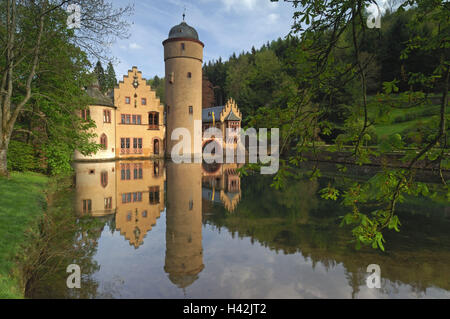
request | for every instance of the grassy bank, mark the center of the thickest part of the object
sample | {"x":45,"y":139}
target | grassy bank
{"x":22,"y":203}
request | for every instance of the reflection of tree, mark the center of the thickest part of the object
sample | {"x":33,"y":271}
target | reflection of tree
{"x":63,"y":240}
{"x":296,"y":220}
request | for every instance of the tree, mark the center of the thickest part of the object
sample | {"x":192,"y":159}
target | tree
{"x":157,"y":84}
{"x":27,"y":29}
{"x":111,"y":80}
{"x":101,"y":76}
{"x":326,"y":27}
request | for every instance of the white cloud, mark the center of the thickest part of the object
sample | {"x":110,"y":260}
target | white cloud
{"x":224,"y":26}
{"x":239,"y":4}
{"x":134,"y":46}
{"x":273,"y":17}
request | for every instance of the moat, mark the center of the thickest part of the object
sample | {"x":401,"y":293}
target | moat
{"x":153,"y":229}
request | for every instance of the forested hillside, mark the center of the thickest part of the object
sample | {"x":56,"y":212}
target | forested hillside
{"x":268,"y":77}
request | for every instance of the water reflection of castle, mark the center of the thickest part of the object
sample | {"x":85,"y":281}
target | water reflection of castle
{"x":132,"y":190}
{"x":134,"y":193}
{"x":222,"y":184}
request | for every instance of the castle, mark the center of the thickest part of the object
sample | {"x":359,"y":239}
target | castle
{"x":132,"y":123}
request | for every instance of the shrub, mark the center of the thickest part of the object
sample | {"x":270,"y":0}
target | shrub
{"x":21,"y":157}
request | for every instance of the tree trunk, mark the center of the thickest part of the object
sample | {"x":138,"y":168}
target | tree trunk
{"x":3,"y":163}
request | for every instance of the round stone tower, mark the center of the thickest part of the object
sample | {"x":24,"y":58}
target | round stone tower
{"x":183,"y":57}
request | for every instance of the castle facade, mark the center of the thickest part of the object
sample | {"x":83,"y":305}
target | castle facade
{"x":132,"y":123}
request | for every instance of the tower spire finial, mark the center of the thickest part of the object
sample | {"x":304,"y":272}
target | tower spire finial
{"x":184,"y":13}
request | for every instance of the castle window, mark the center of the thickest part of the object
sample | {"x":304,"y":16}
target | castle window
{"x":106,"y":116}
{"x":86,"y":115}
{"x":168,"y":109}
{"x":131,"y":197}
{"x":138,"y":174}
{"x":153,"y":120}
{"x":144,"y":214}
{"x":108,"y":203}
{"x":137,"y":197}
{"x":137,"y":145}
{"x":87,"y":205}
{"x":125,"y":119}
{"x":156,"y":147}
{"x":137,"y":119}
{"x":127,"y":100}
{"x":182,"y":46}
{"x":104,"y":179}
{"x":171,"y":78}
{"x":154,"y":195}
{"x":144,"y":101}
{"x":189,"y":75}
{"x":125,"y":172}
{"x":104,"y":141}
{"x":156,"y":169}
{"x":125,"y":145}
{"x":191,"y":109}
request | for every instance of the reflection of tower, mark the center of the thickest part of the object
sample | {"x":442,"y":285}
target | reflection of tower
{"x":184,"y":252}
{"x":95,"y":188}
{"x":183,"y":57}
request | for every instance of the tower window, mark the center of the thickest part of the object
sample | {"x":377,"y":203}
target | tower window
{"x":86,"y":115}
{"x":104,"y":141}
{"x":106,"y":116}
{"x":87,"y":205}
{"x":189,"y":75}
{"x":182,"y":46}
{"x":191,"y":110}
{"x":104,"y":179}
{"x":171,"y":77}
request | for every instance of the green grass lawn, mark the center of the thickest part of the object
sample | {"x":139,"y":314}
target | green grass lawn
{"x":22,"y":202}
{"x":398,"y":123}
{"x":392,"y":128}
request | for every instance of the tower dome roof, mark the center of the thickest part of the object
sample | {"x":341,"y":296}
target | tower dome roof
{"x":183,"y":30}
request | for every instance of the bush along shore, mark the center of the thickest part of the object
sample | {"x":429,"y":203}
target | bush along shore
{"x":22,"y":207}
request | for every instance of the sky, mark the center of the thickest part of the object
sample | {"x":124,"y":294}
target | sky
{"x":224,"y":26}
